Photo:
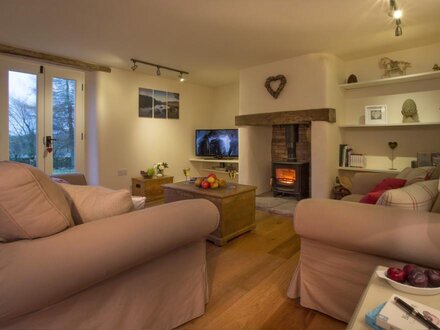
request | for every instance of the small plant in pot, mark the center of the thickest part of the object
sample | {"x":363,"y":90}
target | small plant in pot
{"x":149,"y":173}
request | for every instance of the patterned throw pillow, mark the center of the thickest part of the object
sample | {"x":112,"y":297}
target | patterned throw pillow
{"x":419,"y":196}
{"x":412,"y":175}
{"x":379,"y":189}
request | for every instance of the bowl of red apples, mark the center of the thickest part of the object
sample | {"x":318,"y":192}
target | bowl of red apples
{"x":412,"y":279}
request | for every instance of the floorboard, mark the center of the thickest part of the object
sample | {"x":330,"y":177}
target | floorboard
{"x":249,"y":277}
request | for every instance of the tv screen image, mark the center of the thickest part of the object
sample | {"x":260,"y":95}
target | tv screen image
{"x":217,"y":143}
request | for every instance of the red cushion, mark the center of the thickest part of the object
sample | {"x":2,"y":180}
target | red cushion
{"x":379,"y":189}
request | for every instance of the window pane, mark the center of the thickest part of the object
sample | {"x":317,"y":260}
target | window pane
{"x":63,"y":97}
{"x":23,"y":117}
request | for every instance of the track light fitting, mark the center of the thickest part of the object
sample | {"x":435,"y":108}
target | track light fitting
{"x":158,"y":68}
{"x":396,"y":13}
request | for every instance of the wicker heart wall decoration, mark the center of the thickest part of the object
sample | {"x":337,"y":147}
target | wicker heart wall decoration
{"x":282,"y":82}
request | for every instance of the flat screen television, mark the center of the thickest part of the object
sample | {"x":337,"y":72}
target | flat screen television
{"x":218,"y":143}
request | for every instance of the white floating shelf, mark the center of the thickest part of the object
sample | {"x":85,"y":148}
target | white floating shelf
{"x":216,"y":171}
{"x":391,"y":125}
{"x":364,"y":169}
{"x":393,"y":80}
{"x":214,"y":160}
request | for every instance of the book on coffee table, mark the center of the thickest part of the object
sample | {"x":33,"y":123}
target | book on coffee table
{"x":393,"y":317}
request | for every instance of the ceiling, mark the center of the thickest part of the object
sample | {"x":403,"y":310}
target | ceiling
{"x":213,"y":39}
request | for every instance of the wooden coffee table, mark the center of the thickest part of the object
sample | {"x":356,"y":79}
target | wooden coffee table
{"x":235,"y":202}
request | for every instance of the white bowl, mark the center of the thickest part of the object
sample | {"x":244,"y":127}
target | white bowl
{"x":407,"y":288}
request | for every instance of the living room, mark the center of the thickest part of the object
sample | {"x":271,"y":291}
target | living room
{"x":226,"y":53}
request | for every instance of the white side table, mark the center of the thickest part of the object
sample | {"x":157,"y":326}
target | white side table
{"x":377,"y":292}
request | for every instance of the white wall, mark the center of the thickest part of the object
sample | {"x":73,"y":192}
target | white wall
{"x":305,"y":87}
{"x":125,"y":141}
{"x":311,"y":83}
{"x":225,"y":106}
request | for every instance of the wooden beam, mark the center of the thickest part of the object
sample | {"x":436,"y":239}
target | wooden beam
{"x":286,"y":117}
{"x":5,"y":49}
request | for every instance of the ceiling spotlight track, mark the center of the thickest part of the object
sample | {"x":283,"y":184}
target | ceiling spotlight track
{"x":158,"y":68}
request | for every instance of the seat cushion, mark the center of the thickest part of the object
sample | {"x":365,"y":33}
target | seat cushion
{"x":419,"y":196}
{"x":90,"y":203}
{"x":31,"y":204}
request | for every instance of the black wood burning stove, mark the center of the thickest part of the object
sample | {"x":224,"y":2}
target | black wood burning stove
{"x":290,"y":178}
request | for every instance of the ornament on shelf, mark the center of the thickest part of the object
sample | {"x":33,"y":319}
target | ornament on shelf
{"x":409,"y":112}
{"x":391,"y":67}
{"x":436,"y":67}
{"x":393,"y":145}
{"x":352,"y":79}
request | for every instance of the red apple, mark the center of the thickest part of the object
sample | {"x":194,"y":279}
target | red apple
{"x":396,"y":274}
{"x":205,"y":184}
{"x":409,"y":268}
{"x":433,"y":277}
{"x":212,"y":175}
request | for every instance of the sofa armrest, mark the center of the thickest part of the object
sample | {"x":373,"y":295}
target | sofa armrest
{"x":363,"y":183}
{"x":404,"y":235}
{"x":40,"y":272}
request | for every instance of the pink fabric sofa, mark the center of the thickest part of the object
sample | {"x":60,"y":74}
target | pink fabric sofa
{"x":141,"y":270}
{"x":343,"y":241}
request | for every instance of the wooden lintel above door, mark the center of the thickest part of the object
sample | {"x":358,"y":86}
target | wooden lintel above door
{"x":286,"y":117}
{"x":53,"y":59}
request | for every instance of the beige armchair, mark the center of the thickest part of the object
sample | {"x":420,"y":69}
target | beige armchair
{"x":342,"y":242}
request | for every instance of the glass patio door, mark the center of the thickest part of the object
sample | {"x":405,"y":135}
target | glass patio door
{"x":41,"y":116}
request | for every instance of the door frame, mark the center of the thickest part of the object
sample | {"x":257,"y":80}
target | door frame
{"x":44,"y":107}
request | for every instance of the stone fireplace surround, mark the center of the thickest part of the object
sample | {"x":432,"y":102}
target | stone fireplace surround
{"x":278,"y":121}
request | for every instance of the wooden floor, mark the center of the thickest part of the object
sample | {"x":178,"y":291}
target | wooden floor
{"x":249,"y":278}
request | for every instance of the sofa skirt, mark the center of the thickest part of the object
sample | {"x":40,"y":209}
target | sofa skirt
{"x":332,"y":280}
{"x":163,"y":293}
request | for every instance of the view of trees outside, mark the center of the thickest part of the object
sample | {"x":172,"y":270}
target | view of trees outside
{"x":63,"y":106}
{"x":23,"y":117}
{"x":23,"y":121}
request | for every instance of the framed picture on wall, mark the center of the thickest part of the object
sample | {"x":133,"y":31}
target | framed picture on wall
{"x":375,"y":114}
{"x":424,"y":159}
{"x":160,"y":104}
{"x":145,"y":103}
{"x":435,"y":159}
{"x":173,"y":103}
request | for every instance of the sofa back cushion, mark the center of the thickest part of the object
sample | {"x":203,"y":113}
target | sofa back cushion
{"x":31,"y":204}
{"x":419,"y":196}
{"x":436,"y":206}
{"x":435,"y":174}
{"x":412,"y":175}
{"x":90,"y":203}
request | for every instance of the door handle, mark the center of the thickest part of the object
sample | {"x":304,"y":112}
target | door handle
{"x":47,"y":141}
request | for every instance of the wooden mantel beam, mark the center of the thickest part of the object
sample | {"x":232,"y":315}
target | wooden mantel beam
{"x":54,"y":59}
{"x":286,"y":117}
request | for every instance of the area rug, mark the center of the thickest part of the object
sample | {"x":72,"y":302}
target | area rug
{"x":282,"y":205}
